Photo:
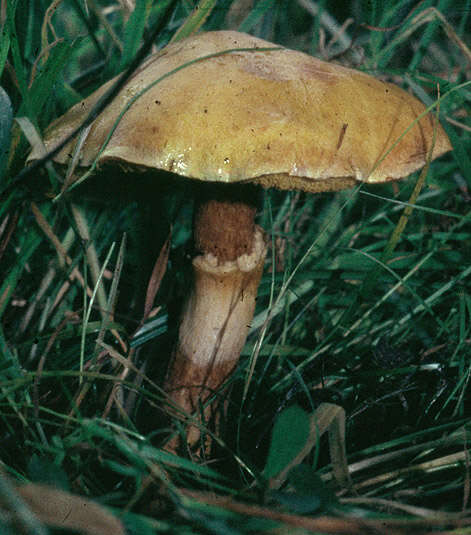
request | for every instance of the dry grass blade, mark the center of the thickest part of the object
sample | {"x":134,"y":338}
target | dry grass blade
{"x":42,"y":362}
{"x":425,"y":17}
{"x":391,"y":505}
{"x":428,"y":15}
{"x":194,"y":22}
{"x":47,"y":229}
{"x":47,"y":26}
{"x":237,"y":12}
{"x":97,"y":10}
{"x":338,"y":31}
{"x":327,"y":418}
{"x":457,"y":438}
{"x":336,"y":525}
{"x":128,"y":366}
{"x":447,"y":461}
{"x":91,"y":254}
{"x":158,"y":273}
{"x":337,"y":445}
{"x":128,"y":6}
{"x":113,"y":296}
{"x":6,"y":231}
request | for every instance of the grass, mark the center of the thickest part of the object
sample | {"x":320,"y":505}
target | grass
{"x":364,"y":310}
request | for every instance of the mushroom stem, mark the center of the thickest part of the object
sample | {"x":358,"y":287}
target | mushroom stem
{"x":217,"y":314}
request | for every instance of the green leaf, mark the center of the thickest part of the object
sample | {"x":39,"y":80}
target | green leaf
{"x":308,"y":492}
{"x":43,"y":470}
{"x":290,"y":436}
{"x":460,"y":151}
{"x":4,"y":47}
{"x":134,"y":31}
{"x":306,"y":482}
{"x":27,"y":247}
{"x":256,"y":14}
{"x":296,"y":502}
{"x":6,"y":118}
{"x":16,"y":56}
{"x":194,"y":22}
{"x":48,"y":74}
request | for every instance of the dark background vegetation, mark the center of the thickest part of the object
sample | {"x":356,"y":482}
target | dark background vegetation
{"x":363,"y":316}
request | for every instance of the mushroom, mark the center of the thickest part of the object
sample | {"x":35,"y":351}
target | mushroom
{"x":215,"y":108}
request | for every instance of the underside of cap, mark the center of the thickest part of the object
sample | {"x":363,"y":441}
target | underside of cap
{"x":276,"y":117}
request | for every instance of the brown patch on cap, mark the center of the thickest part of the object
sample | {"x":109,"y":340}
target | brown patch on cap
{"x":341,"y":136}
{"x":320,"y":70}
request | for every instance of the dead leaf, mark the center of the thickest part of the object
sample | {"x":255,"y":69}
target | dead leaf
{"x":61,"y":509}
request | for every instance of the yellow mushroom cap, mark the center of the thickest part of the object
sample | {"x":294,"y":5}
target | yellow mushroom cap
{"x":278,"y":118}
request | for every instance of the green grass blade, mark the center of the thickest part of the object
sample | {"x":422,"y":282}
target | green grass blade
{"x":196,"y":19}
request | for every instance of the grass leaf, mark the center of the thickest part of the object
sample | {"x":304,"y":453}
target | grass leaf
{"x":6,"y":119}
{"x":290,"y":436}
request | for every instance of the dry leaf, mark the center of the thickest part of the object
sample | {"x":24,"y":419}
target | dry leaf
{"x":61,"y":509}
